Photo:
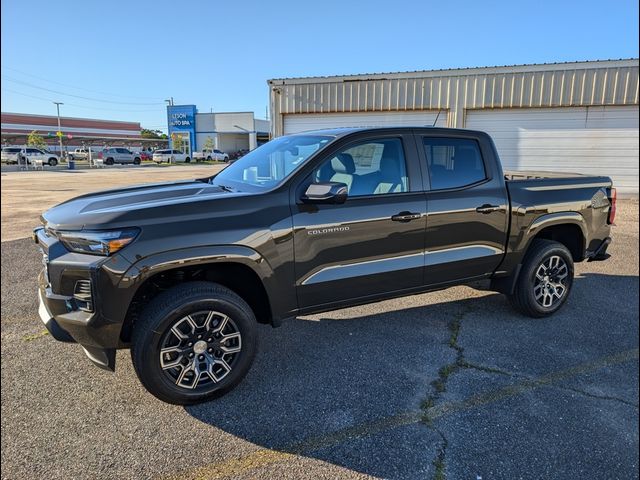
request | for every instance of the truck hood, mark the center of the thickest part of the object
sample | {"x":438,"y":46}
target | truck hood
{"x":132,"y":206}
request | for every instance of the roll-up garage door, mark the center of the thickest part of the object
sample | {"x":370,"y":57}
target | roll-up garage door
{"x":295,"y":123}
{"x":590,"y":140}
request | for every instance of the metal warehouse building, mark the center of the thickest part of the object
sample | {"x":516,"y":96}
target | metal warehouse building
{"x":577,"y":117}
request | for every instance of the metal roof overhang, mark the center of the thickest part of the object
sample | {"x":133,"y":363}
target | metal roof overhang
{"x":88,"y":139}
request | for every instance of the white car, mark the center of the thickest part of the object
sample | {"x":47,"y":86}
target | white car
{"x":170,"y":156}
{"x":217,"y":155}
{"x":32,"y":155}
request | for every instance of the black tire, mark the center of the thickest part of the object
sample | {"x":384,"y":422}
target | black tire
{"x":136,"y":161}
{"x":187,"y":160}
{"x":208,"y":159}
{"x":52,"y":162}
{"x":109,"y":161}
{"x":168,"y":310}
{"x":524,"y":296}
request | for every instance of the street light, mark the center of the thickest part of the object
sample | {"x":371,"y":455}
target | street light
{"x":59,"y":133}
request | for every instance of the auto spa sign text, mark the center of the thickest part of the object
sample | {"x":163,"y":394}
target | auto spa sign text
{"x":182,"y":119}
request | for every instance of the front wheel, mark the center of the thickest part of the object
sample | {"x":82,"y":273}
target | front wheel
{"x":187,"y":160}
{"x":52,"y":162}
{"x":194,"y":342}
{"x":545,"y":280}
{"x":136,"y":161}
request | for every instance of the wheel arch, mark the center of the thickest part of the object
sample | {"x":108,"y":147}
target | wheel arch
{"x":567,"y":228}
{"x":240,"y":269}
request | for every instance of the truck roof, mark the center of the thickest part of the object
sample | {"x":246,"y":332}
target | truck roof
{"x":342,"y":131}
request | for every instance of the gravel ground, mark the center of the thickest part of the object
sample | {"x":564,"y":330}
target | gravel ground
{"x":451,"y":384}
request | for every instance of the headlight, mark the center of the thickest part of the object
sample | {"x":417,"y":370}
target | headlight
{"x":98,"y":242}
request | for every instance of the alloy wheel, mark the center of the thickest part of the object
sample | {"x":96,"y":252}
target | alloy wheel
{"x":550,"y":284}
{"x":200,"y":349}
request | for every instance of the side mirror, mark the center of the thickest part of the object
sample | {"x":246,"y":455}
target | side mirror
{"x":326,"y":192}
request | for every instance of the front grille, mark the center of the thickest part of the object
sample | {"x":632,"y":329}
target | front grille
{"x":83,"y":296}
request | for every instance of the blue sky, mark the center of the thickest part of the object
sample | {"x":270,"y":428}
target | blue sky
{"x":119,"y":60}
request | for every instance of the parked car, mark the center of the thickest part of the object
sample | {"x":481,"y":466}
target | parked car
{"x":181,"y":273}
{"x":170,"y":156}
{"x":145,"y":156}
{"x":11,"y":155}
{"x":19,"y":155}
{"x":119,"y":155}
{"x":209,"y":155}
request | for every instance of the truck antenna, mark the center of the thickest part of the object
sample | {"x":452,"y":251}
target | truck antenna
{"x":436,"y":120}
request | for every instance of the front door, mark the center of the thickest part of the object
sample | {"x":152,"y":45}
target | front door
{"x":467,"y":208}
{"x":373,"y":243}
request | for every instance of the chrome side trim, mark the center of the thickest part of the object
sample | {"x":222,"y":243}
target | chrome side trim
{"x":369,"y":267}
{"x":404,"y":262}
{"x":457,"y":254}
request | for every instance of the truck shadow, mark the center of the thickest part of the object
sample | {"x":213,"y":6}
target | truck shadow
{"x":319,"y":375}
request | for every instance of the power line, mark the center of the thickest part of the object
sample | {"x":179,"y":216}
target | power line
{"x":80,"y":106}
{"x":31,"y":85}
{"x":75,"y":87}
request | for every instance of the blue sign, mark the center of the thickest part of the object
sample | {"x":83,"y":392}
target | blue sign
{"x":182,"y":119}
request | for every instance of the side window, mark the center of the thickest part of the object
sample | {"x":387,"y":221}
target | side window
{"x":374,"y":167}
{"x":453,"y":162}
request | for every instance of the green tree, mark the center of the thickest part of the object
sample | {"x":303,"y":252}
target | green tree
{"x":177,"y":142}
{"x":146,"y":133}
{"x":209,"y":144}
{"x":35,"y":140}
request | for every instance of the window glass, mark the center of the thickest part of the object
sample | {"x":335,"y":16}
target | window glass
{"x":32,"y":150}
{"x":271,"y":163}
{"x":374,"y":167}
{"x":453,"y":162}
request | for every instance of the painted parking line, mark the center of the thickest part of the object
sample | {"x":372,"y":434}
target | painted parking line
{"x":263,"y":457}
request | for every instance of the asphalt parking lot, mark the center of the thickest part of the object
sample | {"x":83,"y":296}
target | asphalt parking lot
{"x":451,"y":385}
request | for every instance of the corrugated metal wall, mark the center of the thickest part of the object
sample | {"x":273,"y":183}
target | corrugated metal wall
{"x":560,"y":85}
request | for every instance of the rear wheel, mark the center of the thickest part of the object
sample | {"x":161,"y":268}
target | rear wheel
{"x":187,"y":160}
{"x":545,"y":280}
{"x":136,"y":161}
{"x":194,"y":342}
{"x":109,"y":161}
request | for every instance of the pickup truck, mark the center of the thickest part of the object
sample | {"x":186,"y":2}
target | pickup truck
{"x":180,"y":273}
{"x":205,"y":154}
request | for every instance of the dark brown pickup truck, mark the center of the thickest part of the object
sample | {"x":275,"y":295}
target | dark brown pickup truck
{"x":181,"y":272}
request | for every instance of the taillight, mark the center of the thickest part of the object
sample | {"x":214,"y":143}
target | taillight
{"x":613,"y":198}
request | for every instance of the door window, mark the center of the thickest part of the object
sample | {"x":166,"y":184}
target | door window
{"x":374,"y":167}
{"x":453,"y":162}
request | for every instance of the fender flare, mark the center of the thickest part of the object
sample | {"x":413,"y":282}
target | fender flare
{"x":553,"y":219}
{"x":143,"y":269}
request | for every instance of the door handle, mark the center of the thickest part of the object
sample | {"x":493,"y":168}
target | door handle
{"x":486,"y":208}
{"x":405,"y":217}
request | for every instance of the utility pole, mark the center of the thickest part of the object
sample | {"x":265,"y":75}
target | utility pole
{"x":59,"y":133}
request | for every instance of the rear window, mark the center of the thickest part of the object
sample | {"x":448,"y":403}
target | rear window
{"x":11,"y":150}
{"x":161,"y":152}
{"x":453,"y":162}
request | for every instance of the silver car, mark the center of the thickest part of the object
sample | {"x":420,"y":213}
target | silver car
{"x":119,"y":155}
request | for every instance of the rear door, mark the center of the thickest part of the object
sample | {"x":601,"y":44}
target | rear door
{"x":373,"y":243}
{"x":467,"y":207}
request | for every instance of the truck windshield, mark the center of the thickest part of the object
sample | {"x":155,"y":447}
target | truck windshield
{"x":270,"y":164}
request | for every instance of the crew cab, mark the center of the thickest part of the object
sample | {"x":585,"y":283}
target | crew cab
{"x":181,"y":272}
{"x":207,"y":154}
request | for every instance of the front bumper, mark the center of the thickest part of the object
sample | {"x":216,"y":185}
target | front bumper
{"x":97,"y":329}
